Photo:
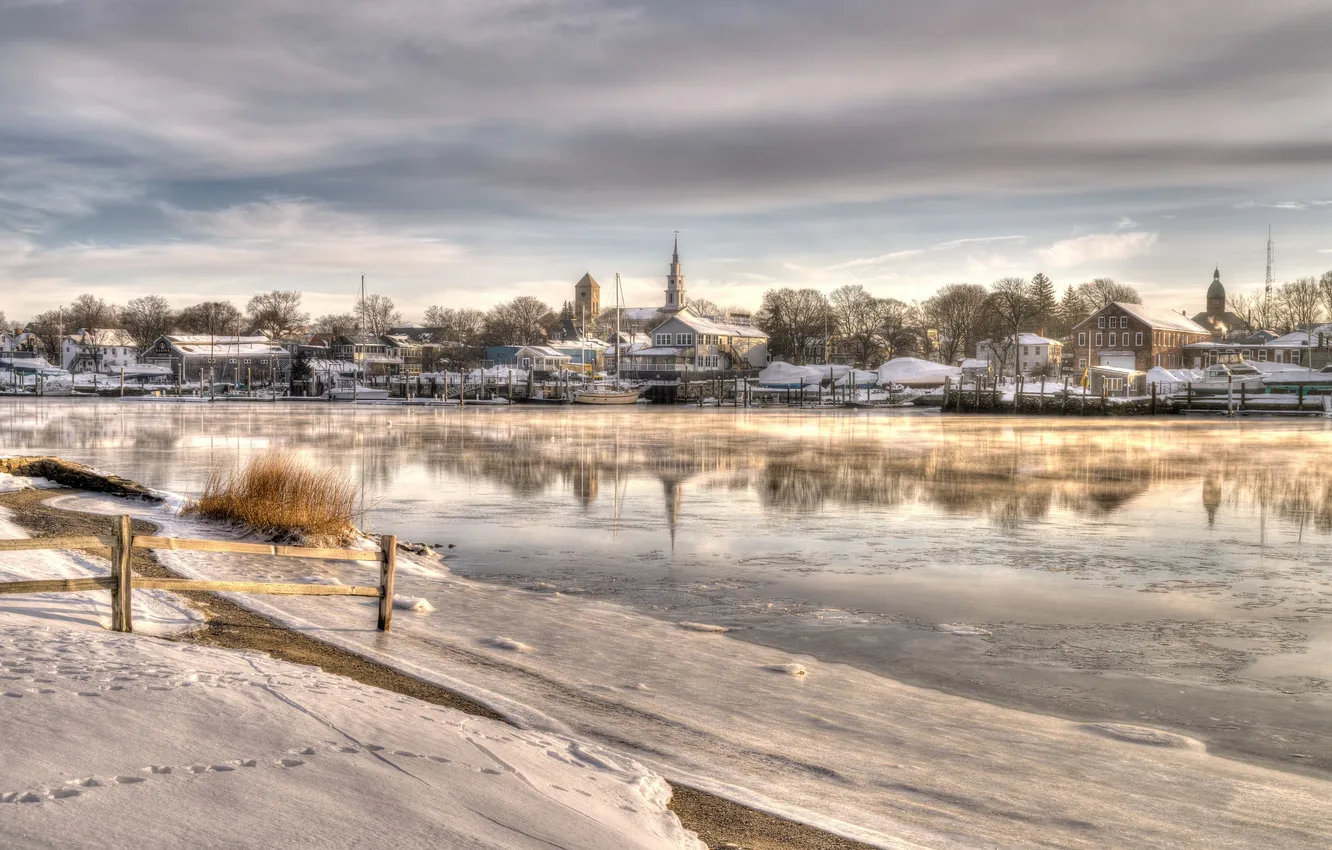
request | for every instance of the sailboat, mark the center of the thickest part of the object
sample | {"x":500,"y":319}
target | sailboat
{"x":613,"y":391}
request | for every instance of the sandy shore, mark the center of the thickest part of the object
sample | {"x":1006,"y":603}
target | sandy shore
{"x":720,"y":823}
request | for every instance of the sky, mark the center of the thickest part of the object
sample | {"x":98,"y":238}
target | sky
{"x":463,"y":152}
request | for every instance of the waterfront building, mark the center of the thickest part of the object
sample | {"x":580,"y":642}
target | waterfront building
{"x":1301,"y":348}
{"x":1222,"y":323}
{"x":1030,"y":354}
{"x":1134,"y":336}
{"x":585,"y":355}
{"x":690,"y":344}
{"x":373,"y":355}
{"x":105,"y":350}
{"x":231,"y":359}
{"x":534,"y":358}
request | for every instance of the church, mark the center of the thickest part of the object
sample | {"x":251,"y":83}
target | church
{"x":587,"y":301}
{"x":1217,"y":319}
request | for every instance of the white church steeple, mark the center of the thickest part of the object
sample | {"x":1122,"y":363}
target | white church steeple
{"x":675,"y":282}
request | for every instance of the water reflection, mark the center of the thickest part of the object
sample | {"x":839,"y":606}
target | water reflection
{"x":1009,"y":472}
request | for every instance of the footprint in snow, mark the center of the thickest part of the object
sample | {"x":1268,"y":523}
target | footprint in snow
{"x":290,"y":762}
{"x":796,"y":670}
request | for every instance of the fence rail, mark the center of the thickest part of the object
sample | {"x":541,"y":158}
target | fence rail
{"x":122,"y":579}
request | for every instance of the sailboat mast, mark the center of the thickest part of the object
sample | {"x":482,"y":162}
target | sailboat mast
{"x":619,"y":341}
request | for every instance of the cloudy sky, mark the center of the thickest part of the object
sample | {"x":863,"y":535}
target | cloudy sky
{"x":461,"y":152}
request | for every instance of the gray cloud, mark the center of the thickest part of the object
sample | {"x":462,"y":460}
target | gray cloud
{"x":530,"y":119}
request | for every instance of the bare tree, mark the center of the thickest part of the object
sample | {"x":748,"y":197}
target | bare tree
{"x":333,"y":325}
{"x":276,"y":314}
{"x":461,"y":333}
{"x":1325,"y":287}
{"x":377,"y":314}
{"x":210,"y":317}
{"x":1299,"y":304}
{"x":1101,"y":291}
{"x":1009,"y":309}
{"x":146,"y":319}
{"x":89,"y":311}
{"x":523,"y":321}
{"x":47,"y":330}
{"x":956,"y":313}
{"x":793,"y":319}
{"x":898,"y":330}
{"x":856,"y":316}
{"x":705,"y":308}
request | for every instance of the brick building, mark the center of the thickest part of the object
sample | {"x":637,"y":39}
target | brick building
{"x":1132,"y":336}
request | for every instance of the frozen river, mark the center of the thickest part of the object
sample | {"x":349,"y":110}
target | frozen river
{"x":1173,"y":572}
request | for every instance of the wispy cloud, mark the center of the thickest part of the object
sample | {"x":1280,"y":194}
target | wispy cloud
{"x":1097,"y":248}
{"x":973,"y":240}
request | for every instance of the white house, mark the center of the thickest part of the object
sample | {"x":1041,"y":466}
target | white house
{"x":105,"y":350}
{"x":1029,"y":355}
{"x":687,"y":343}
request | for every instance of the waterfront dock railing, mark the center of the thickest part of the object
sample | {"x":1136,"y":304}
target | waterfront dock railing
{"x":122,"y":580}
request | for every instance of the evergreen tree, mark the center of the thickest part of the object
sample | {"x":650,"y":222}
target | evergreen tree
{"x":568,"y":326}
{"x":1042,"y":294}
{"x":1072,"y":309}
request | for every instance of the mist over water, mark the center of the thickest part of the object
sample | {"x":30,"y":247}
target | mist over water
{"x":1177,"y":571}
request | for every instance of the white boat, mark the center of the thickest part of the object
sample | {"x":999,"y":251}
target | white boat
{"x":347,"y":390}
{"x":612,"y":392}
{"x":1224,"y":377}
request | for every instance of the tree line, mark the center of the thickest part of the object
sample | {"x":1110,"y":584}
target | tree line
{"x":804,"y":324}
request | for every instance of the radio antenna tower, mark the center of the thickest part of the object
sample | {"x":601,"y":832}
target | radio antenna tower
{"x":1270,"y":277}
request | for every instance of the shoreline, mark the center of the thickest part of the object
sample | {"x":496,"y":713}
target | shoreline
{"x":720,"y":823}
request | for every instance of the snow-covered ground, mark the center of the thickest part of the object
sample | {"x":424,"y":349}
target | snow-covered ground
{"x":828,"y":744}
{"x":117,"y":740}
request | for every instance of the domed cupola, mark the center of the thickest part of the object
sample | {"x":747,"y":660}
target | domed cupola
{"x":1216,"y":294}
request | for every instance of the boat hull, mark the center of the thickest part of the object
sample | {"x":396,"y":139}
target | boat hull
{"x":626,"y":397}
{"x":362,"y":394}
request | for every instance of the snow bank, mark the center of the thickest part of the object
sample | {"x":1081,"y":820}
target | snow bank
{"x":156,"y":612}
{"x":12,"y":483}
{"x":192,"y":746}
{"x":840,"y":748}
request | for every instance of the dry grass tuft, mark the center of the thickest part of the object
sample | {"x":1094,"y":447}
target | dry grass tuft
{"x":276,"y":493}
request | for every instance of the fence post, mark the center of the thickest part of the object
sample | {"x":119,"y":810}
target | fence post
{"x":388,"y":566}
{"x":121,"y":600}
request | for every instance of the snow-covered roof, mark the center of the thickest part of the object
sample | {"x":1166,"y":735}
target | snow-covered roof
{"x":225,"y":346}
{"x":103,"y":337}
{"x":1159,"y":319}
{"x":710,"y":326}
{"x":657,"y":352}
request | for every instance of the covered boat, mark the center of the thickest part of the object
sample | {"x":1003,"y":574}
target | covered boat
{"x":914,"y":372}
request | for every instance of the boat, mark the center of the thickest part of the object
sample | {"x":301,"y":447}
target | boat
{"x":1225,"y":377}
{"x":612,"y":391}
{"x":347,"y":389}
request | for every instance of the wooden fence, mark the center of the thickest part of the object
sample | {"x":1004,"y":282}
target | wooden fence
{"x":122,"y":580}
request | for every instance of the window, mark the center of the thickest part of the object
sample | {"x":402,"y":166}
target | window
{"x":1100,"y":322}
{"x":1279,"y":356}
{"x":1137,"y":338}
{"x":1024,"y":364}
{"x":1294,"y":358}
{"x":684,"y":339}
{"x":1082,"y":362}
{"x":1123,"y":321}
{"x":1024,"y":351}
{"x":1099,"y":340}
{"x":1112,"y":339}
{"x":1246,"y":354}
{"x":1262,"y":354}
{"x":662,"y":339}
{"x":1082,"y":339}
